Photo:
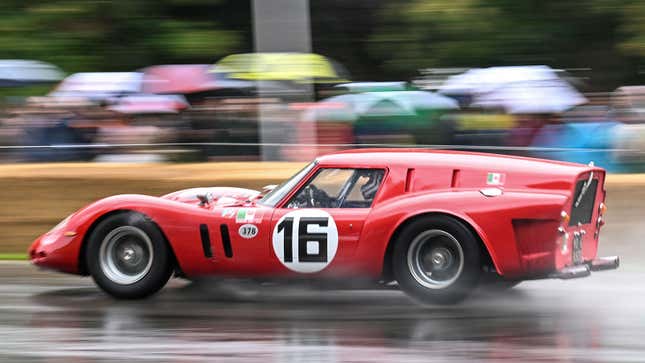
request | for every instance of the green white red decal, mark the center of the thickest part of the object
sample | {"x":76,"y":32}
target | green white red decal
{"x":495,"y":179}
{"x":248,"y":215}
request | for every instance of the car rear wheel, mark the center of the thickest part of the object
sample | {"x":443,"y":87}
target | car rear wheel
{"x":437,"y":259}
{"x":128,"y":256}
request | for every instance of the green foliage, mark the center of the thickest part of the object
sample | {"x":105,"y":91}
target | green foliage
{"x":374,"y":39}
{"x":109,"y":35}
{"x":606,"y":36}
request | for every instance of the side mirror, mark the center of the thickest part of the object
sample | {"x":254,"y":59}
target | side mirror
{"x":267,"y":188}
{"x":205,"y":199}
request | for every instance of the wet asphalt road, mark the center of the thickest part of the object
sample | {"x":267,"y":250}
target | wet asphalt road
{"x":50,"y":317}
{"x":54,"y":318}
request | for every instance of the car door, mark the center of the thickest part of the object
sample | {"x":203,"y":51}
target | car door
{"x":318,"y":228}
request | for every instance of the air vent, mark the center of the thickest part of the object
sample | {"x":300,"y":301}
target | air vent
{"x":226,"y":240}
{"x":206,"y":240}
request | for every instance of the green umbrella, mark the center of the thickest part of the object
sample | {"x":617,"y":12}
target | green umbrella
{"x":359,"y":87}
{"x":414,"y":112}
{"x":393,"y":104}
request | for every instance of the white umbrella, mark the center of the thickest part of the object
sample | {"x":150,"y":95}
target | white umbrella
{"x":483,"y":80}
{"x":16,"y":72}
{"x":99,"y":85}
{"x":519,"y":89}
{"x":150,"y":104}
{"x":554,"y":96}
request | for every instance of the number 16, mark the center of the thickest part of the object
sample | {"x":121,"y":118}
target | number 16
{"x":305,"y":238}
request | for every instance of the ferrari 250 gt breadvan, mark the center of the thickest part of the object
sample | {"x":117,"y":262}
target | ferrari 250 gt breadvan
{"x":438,"y":223}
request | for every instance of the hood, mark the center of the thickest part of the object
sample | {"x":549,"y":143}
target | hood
{"x":222,"y":196}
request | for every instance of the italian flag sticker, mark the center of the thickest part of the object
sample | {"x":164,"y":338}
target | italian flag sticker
{"x":245,"y":216}
{"x":495,"y":179}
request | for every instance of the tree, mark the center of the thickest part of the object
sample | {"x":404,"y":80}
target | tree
{"x":114,"y":35}
{"x":472,"y":33}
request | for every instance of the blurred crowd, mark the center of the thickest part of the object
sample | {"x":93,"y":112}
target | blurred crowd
{"x":294,"y":106}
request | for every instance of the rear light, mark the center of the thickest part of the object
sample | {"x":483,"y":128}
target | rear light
{"x":564,"y":247}
{"x":602,"y":208}
{"x":564,"y":236}
{"x":563,"y":240}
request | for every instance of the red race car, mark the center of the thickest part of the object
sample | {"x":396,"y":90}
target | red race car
{"x":437,"y":222}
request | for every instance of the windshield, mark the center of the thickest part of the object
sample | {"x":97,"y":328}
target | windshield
{"x":273,"y":197}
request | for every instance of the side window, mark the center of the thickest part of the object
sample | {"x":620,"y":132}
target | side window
{"x":363,"y":191}
{"x":323,"y":191}
{"x":339,"y":188}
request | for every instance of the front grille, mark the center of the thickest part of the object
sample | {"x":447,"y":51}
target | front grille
{"x":583,"y":212}
{"x":576,"y":251}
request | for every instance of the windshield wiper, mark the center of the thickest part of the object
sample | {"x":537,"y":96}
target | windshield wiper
{"x":585,"y":186}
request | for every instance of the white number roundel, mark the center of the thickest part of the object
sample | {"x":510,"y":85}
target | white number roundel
{"x":305,"y":240}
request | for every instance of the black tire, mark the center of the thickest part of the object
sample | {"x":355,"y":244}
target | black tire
{"x":135,"y":234}
{"x":448,"y":236}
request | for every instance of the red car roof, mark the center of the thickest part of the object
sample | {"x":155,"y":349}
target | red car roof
{"x":412,"y":157}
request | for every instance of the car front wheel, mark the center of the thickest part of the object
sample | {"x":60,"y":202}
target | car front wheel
{"x":437,"y":259}
{"x":128,"y":256}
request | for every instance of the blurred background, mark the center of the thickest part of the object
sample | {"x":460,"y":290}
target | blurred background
{"x":102,"y":97}
{"x":194,"y":80}
{"x":93,"y":92}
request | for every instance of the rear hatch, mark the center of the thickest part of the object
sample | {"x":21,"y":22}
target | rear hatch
{"x":582,"y":219}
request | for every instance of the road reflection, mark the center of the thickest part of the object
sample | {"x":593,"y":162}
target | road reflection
{"x":189,"y":323}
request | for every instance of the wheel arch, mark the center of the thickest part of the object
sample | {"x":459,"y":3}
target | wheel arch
{"x":387,"y":274}
{"x":82,"y":261}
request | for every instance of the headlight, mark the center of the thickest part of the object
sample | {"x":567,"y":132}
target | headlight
{"x":62,"y":224}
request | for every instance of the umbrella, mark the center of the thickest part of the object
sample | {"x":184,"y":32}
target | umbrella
{"x":553,"y":96}
{"x":18,"y":72}
{"x":519,"y":89}
{"x":187,"y":79}
{"x":143,"y":104}
{"x":295,"y":67}
{"x":359,"y":103}
{"x":358,"y":87}
{"x":394,"y":103}
{"x":483,"y":80}
{"x":99,"y":85}
{"x":394,"y":113}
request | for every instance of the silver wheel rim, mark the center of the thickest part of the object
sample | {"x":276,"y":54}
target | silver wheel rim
{"x":435,"y":259}
{"x":126,"y":255}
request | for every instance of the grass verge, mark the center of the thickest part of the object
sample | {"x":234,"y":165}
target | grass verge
{"x":13,"y":257}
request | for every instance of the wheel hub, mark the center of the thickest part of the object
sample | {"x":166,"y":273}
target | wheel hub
{"x":126,"y":255}
{"x":435,"y":259}
{"x":441,"y":258}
